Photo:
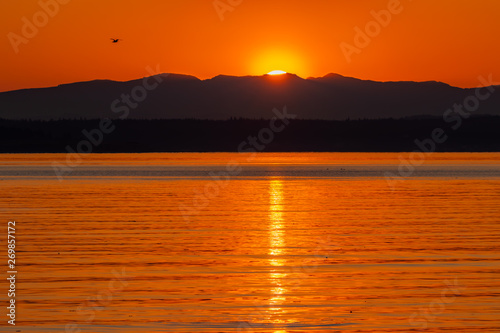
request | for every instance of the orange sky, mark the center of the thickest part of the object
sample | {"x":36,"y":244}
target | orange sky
{"x":453,"y":41}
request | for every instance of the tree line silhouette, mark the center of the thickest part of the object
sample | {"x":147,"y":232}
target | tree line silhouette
{"x":478,"y":133}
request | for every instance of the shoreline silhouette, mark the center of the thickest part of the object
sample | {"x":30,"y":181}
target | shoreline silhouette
{"x":476,"y":134}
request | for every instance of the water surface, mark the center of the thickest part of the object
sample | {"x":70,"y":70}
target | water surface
{"x":309,"y":242}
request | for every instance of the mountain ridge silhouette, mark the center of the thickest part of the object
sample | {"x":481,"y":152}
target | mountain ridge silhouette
{"x":180,"y":96}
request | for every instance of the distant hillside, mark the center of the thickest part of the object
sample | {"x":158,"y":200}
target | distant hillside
{"x":332,"y":97}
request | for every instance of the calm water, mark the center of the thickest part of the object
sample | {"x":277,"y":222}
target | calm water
{"x":278,"y":243}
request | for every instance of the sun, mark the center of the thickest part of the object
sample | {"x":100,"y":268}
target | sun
{"x":276,"y":72}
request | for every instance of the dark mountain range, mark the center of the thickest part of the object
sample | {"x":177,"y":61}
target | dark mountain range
{"x":332,"y":97}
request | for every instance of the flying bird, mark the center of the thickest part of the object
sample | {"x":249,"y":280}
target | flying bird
{"x":115,"y":40}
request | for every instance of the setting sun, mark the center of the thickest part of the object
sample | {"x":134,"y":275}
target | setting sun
{"x":276,"y":72}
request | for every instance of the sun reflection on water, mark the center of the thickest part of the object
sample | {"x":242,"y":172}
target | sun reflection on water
{"x":276,"y":250}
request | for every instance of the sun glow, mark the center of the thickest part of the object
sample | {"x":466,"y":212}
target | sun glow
{"x":278,"y":60}
{"x":276,"y":72}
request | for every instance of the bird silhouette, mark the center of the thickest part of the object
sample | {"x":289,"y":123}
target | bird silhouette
{"x":115,"y":40}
